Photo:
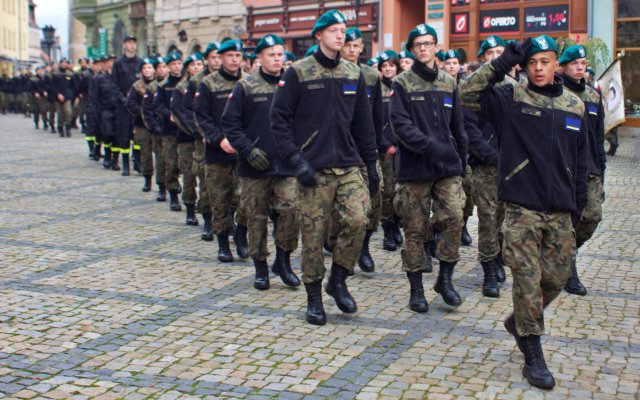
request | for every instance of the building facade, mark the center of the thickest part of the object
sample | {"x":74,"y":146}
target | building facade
{"x":14,"y":36}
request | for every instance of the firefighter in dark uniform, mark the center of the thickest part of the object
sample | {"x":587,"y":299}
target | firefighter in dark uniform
{"x":82,"y":86}
{"x":105,"y":98}
{"x":92,"y":111}
{"x":125,"y":72}
{"x":63,"y":88}
{"x":266,"y":182}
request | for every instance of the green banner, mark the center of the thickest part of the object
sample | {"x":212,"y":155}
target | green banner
{"x":102,"y":42}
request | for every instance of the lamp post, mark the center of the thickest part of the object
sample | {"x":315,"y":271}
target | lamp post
{"x":49,"y":39}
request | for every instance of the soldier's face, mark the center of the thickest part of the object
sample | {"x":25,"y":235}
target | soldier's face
{"x":162,"y":71}
{"x":255,"y":64}
{"x":352,"y":50}
{"x":406,"y":63}
{"x":452,"y":66}
{"x":214,"y":61}
{"x":175,"y":67}
{"x":231,"y":61}
{"x":148,"y":71}
{"x":195,"y":67}
{"x":425,"y":48}
{"x":130,"y":46}
{"x":332,"y":37}
{"x":493,"y":53}
{"x":576,"y":69}
{"x":541,"y":68}
{"x":287,"y":64}
{"x":271,"y":59}
{"x":389,"y":70}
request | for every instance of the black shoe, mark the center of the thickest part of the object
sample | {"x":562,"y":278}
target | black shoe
{"x":388,"y":242}
{"x":162,"y":192}
{"x":191,"y":220}
{"x":92,"y":146}
{"x":174,"y":203}
{"x":574,"y":286}
{"x":67,"y":131}
{"x":501,"y":276}
{"x":465,"y":238}
{"x":45,"y":127}
{"x":224,"y":252}
{"x":490,"y":286}
{"x":337,"y":288}
{"x":613,"y":147}
{"x":261,"y":281}
{"x":428,"y":262}
{"x":36,"y":124}
{"x":240,"y":239}
{"x":136,"y":161}
{"x":96,"y":152}
{"x":207,"y":231}
{"x":147,"y":183}
{"x":535,"y":368}
{"x":315,"y":309}
{"x":365,"y":261}
{"x":125,"y":165}
{"x":444,"y":286}
{"x":106,"y":162}
{"x":397,"y":235}
{"x":282,"y":267}
{"x":60,"y":131}
{"x":417,"y":302}
{"x":115,"y":157}
{"x":510,"y":326}
{"x":52,"y":129}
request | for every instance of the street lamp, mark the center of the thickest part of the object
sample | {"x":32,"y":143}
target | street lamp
{"x":49,"y":39}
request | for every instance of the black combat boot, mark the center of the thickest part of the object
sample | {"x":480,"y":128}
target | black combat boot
{"x":240,"y":239}
{"x":207,"y":231}
{"x":613,"y":147}
{"x":67,"y":130}
{"x":147,"y":183}
{"x":53,"y":130}
{"x":397,"y":235}
{"x":61,"y":131}
{"x":162,"y":192}
{"x":45,"y":125}
{"x":500,"y":274}
{"x":444,"y":286}
{"x":106,"y":162}
{"x":191,"y":215}
{"x":282,"y":267}
{"x":417,"y":302}
{"x":315,"y":309}
{"x":388,"y":242}
{"x":125,"y":165}
{"x":428,"y":261}
{"x":91,"y":144}
{"x":174,"y":203}
{"x":510,"y":326}
{"x":535,"y":368}
{"x":337,"y":288}
{"x":365,"y":261}
{"x":261,"y":281}
{"x":115,"y":160}
{"x":224,"y":252}
{"x":490,"y":286}
{"x":465,"y":238}
{"x":574,"y":286}
{"x":37,"y":124}
{"x":136,"y":161}
{"x":96,"y":152}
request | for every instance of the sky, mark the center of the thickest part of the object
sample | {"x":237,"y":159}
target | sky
{"x":55,"y":13}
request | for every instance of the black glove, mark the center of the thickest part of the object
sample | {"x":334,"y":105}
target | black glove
{"x":514,"y":54}
{"x":258,"y":160}
{"x":374,"y":179}
{"x":576,"y":216}
{"x":302,"y":170}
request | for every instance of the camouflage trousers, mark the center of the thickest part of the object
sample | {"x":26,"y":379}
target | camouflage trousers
{"x":468,"y":186}
{"x":279,"y":193}
{"x":224,"y":188}
{"x":592,"y":213}
{"x":52,"y":113}
{"x":387,"y":164}
{"x":539,"y":248}
{"x":79,"y":111}
{"x":43,"y":106}
{"x":36,"y":109}
{"x":412,"y":205}
{"x":342,"y":190}
{"x":185,"y":163}
{"x":198,"y":171}
{"x":156,"y":145}
{"x":142,"y":137}
{"x":64,"y":113}
{"x":170,"y":162}
{"x":490,"y":211}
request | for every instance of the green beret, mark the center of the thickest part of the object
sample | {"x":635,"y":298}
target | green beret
{"x":289,"y":56}
{"x":353,"y":34}
{"x":213,"y":46}
{"x":147,"y":60}
{"x":252,"y":57}
{"x":451,"y":53}
{"x":542,"y":43}
{"x":591,"y":71}
{"x":406,"y":54}
{"x":230,"y":45}
{"x":193,"y":57}
{"x":372,"y":61}
{"x":327,"y":19}
{"x":173,"y":56}
{"x":160,"y":60}
{"x":490,"y":43}
{"x":387,"y":55}
{"x":440,"y":54}
{"x":311,"y":50}
{"x":420,"y":30}
{"x":573,"y":53}
{"x":267,"y":41}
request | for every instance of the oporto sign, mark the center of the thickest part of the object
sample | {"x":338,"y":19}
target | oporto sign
{"x":503,"y":21}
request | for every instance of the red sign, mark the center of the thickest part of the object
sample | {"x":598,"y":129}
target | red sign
{"x":460,"y":24}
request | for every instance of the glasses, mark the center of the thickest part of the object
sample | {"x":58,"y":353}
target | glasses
{"x":426,"y":45}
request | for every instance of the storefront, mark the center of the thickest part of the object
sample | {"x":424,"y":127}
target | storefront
{"x":627,"y":39}
{"x":294,"y":20}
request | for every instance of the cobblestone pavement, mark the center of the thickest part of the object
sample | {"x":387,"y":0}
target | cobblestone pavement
{"x":105,"y":293}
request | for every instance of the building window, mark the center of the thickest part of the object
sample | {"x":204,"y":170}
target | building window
{"x":627,"y":38}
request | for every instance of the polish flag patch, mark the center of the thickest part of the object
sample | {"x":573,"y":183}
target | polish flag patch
{"x":391,"y":93}
{"x":197,"y":94}
{"x":230,"y":96}
{"x":145,"y":96}
{"x":281,"y":83}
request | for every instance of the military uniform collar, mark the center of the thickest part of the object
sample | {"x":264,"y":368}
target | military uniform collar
{"x":325,"y":61}
{"x":551,"y":90}
{"x":228,"y":76}
{"x":574,"y":86}
{"x":424,"y":72}
{"x":272,"y":79}
{"x":386,"y":81}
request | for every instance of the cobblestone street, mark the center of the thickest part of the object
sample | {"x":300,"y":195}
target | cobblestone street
{"x":105,"y":293}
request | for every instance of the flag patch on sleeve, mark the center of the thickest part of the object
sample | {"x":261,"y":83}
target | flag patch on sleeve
{"x":593,"y":110}
{"x":349,"y":89}
{"x":572,"y":124}
{"x":281,"y":83}
{"x":448,"y":102}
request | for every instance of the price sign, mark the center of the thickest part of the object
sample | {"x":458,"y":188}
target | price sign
{"x":546,"y":19}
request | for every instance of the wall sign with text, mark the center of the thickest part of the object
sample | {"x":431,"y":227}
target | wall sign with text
{"x":460,"y":23}
{"x":500,"y":21}
{"x":546,"y":19}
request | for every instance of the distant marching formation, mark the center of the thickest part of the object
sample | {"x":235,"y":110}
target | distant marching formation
{"x":330,"y":147}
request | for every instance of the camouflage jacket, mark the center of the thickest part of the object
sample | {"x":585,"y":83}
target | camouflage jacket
{"x":187,"y":102}
{"x":133,"y":103}
{"x":179,"y":113}
{"x":543,"y":141}
{"x":162,"y":105}
{"x":149,"y":116}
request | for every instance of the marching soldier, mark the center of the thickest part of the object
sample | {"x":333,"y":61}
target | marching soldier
{"x":41,"y":98}
{"x":62,"y":86}
{"x":406,"y":59}
{"x":289,"y":59}
{"x":574,"y":63}
{"x":35,"y":95}
{"x":105,"y":99}
{"x":49,"y":94}
{"x":92,"y":111}
{"x":222,"y":183}
{"x":266,"y":182}
{"x":324,"y":146}
{"x":82,"y":86}
{"x":542,"y":180}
